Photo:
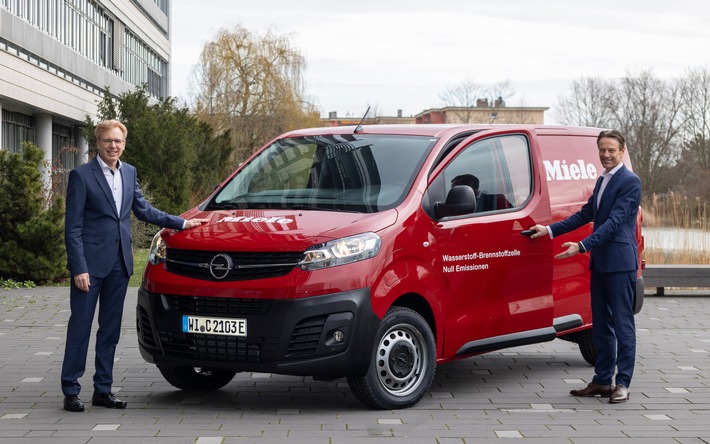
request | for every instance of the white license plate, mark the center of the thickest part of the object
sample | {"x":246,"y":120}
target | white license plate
{"x":214,"y":326}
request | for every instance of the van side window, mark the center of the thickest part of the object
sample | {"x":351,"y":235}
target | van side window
{"x":498,"y":169}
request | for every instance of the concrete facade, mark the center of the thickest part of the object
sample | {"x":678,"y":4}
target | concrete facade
{"x":58,"y":56}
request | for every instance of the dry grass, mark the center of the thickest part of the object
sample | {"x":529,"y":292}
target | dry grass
{"x":688,"y":222}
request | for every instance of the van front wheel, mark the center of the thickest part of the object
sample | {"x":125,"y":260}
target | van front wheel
{"x":196,"y":378}
{"x":403,"y":362}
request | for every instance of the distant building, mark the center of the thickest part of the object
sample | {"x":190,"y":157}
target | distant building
{"x":334,"y":120}
{"x":58,"y":56}
{"x":484,"y":112}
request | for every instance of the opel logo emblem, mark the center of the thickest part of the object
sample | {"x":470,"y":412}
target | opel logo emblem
{"x":220,"y":265}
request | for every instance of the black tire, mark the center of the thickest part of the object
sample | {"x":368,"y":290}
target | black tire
{"x":403,"y":362}
{"x":638,"y":297}
{"x":586,"y":346}
{"x":196,"y":378}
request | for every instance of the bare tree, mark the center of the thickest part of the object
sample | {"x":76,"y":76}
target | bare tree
{"x":518,"y":114}
{"x":464,"y":98}
{"x":590,"y":104}
{"x":695,"y":109}
{"x":647,"y":111}
{"x":500,"y":92}
{"x":644,"y":108}
{"x":252,"y":86}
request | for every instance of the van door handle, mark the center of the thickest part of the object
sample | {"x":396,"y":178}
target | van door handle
{"x":527,"y":233}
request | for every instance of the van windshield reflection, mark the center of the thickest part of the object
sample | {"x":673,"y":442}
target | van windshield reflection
{"x":348,"y":172}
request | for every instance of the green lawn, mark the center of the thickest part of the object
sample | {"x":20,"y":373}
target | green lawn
{"x":140,"y":258}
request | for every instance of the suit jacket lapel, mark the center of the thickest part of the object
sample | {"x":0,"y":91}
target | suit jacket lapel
{"x":613,"y":181}
{"x":101,"y":179}
{"x":127,"y":179}
{"x":597,"y":186}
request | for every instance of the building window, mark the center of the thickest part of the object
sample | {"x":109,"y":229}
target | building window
{"x":16,"y":129}
{"x":85,"y":27}
{"x":63,"y":147}
{"x":145,"y":67}
{"x":163,"y":5}
{"x":80,"y":24}
{"x":63,"y":155}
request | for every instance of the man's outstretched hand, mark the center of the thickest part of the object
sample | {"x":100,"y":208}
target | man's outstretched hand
{"x":572,"y":248}
{"x":192,"y":223}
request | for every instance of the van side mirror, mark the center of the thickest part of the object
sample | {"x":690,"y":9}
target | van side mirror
{"x":460,"y":200}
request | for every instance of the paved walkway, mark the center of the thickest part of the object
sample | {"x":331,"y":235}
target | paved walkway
{"x":515,"y":393}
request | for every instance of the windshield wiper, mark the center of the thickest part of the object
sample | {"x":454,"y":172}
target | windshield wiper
{"x":226,"y":206}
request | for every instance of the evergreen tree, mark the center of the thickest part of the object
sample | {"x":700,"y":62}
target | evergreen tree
{"x":212,"y":163}
{"x":31,"y":227}
{"x":179,"y":159}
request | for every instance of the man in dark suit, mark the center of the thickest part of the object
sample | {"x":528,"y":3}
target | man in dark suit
{"x":613,"y":208}
{"x":100,"y":197}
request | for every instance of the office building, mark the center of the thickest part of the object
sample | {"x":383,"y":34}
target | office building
{"x":58,"y":56}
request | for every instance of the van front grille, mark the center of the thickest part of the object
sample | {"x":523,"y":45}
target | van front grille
{"x":217,"y":306}
{"x":245,"y":265}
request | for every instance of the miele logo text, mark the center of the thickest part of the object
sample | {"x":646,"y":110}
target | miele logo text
{"x":580,"y":170}
{"x":273,"y":220}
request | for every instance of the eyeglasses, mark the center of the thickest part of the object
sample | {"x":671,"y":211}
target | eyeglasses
{"x":113,"y":141}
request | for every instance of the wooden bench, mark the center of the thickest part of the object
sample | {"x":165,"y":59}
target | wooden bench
{"x":682,"y":276}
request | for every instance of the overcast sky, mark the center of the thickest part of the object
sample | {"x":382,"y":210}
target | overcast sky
{"x":403,"y":54}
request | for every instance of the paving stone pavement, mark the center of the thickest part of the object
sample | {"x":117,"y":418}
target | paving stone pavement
{"x":520,"y":393}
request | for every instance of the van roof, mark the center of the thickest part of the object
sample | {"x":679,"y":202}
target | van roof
{"x":438,"y":130}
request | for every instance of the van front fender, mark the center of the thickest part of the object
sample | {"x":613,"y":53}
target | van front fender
{"x":410,"y":283}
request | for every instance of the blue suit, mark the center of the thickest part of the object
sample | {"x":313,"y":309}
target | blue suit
{"x":613,"y":264}
{"x":98,"y":242}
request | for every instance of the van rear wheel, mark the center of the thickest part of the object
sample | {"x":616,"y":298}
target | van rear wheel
{"x":402,"y":365}
{"x":196,"y":378}
{"x":586,"y":346}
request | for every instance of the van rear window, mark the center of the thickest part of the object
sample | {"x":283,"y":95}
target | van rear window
{"x":348,"y":172}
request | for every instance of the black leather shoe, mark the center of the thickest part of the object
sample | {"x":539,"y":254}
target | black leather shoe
{"x":593,"y":389}
{"x":72,"y":403}
{"x":619,"y":395}
{"x":107,"y":400}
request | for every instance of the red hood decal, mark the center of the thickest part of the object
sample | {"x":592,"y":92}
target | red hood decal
{"x":275,"y":230}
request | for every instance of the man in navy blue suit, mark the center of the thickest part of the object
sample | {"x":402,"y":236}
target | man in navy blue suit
{"x":100,"y":197}
{"x":613,"y":208}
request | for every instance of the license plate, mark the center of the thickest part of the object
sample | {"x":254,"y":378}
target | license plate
{"x":214,"y":326}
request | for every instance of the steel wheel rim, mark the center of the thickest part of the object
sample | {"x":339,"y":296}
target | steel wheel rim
{"x":400,"y":360}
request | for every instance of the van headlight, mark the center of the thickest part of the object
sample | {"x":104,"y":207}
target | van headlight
{"x":157,"y":250}
{"x":341,"y":251}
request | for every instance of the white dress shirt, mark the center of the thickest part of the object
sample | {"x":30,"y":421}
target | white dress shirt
{"x":115,"y":182}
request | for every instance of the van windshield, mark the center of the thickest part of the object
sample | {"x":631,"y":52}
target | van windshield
{"x":347,"y":172}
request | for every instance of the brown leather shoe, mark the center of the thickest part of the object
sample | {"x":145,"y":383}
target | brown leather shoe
{"x":593,"y":389}
{"x":620,"y":394}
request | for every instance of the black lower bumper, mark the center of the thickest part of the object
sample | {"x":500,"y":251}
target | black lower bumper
{"x":292,"y":337}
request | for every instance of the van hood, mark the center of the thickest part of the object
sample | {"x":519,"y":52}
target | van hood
{"x":273,"y":230}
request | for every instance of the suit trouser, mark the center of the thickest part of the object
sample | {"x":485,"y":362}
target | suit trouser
{"x":613,"y":326}
{"x":109,"y":293}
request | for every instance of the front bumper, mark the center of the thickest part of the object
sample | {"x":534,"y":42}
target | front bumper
{"x":293,"y":337}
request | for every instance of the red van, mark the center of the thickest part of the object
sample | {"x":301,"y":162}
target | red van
{"x":375,"y":253}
